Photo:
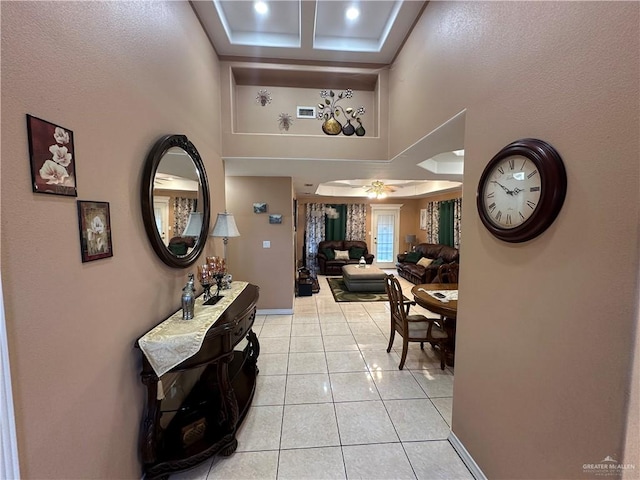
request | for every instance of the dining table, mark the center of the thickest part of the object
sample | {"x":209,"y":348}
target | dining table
{"x":441,"y":299}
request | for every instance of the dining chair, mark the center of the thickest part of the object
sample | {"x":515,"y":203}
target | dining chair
{"x":412,"y":328}
{"x":447,"y":273}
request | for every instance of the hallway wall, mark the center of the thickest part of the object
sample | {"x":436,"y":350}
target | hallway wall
{"x":546,"y":328}
{"x":119,"y":75}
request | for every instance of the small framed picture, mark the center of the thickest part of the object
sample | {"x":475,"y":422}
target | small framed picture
{"x":95,"y":230}
{"x":306,"y":112}
{"x":275,"y":218}
{"x":260,"y":207}
{"x":52,"y":158}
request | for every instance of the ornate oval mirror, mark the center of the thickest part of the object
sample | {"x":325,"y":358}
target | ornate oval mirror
{"x":175,"y":201}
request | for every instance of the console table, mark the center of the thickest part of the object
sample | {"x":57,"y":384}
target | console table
{"x":193,"y":411}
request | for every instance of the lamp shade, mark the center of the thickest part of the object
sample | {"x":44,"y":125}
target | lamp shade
{"x":194,"y":225}
{"x":225,"y":226}
{"x":410,"y":239}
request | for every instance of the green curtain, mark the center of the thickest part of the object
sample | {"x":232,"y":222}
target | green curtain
{"x":336,"y":228}
{"x":445,"y":231}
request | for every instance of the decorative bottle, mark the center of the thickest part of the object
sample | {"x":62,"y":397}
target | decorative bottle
{"x":362,"y":263}
{"x":188,"y":299}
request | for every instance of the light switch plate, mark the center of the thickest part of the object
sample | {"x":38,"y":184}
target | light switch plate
{"x":266,"y":244}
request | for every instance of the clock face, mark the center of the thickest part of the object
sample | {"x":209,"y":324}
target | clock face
{"x":511,"y":192}
{"x":521,"y":190}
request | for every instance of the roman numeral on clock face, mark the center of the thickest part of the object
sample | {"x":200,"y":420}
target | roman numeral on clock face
{"x":532,"y":174}
{"x":531,"y":204}
{"x":492,"y":207}
{"x":499,"y":215}
{"x":511,"y":163}
{"x":491,"y":195}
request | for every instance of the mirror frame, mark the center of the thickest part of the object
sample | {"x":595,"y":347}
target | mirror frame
{"x":146,"y":197}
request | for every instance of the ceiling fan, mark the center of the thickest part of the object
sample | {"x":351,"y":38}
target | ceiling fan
{"x":378,"y":189}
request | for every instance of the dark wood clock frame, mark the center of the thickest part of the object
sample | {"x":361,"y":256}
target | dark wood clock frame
{"x":553,"y":189}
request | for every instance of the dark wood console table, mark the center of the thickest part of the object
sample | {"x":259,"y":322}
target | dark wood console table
{"x":206,"y":397}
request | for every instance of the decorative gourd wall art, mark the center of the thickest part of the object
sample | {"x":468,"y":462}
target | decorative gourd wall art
{"x":330,"y":109}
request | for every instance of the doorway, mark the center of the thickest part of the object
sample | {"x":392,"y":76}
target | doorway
{"x":9,"y":465}
{"x":161,"y":214}
{"x":385,"y":228}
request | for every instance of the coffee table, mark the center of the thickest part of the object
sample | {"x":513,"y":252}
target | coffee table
{"x":363,"y":279}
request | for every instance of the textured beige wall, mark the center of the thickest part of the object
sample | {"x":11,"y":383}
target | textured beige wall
{"x":119,"y":75}
{"x":272,"y":269}
{"x":545,"y":328}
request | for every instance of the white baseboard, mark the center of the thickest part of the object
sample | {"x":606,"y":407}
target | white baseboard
{"x":466,"y":457}
{"x":276,"y":311}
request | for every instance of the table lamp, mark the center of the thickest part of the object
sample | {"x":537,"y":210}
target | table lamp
{"x":410,"y":239}
{"x":194,"y":225}
{"x":225,"y":227}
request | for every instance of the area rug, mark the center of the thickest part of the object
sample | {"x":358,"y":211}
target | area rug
{"x":341,"y":294}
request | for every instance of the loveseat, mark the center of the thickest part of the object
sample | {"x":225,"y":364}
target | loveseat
{"x":331,"y":263}
{"x":421,"y":265}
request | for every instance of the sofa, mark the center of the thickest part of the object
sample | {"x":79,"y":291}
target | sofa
{"x":181,"y":245}
{"x":328,"y":264}
{"x":421,"y":265}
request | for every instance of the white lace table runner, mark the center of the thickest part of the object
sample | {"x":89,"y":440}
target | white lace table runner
{"x":444,"y":296}
{"x":175,"y":339}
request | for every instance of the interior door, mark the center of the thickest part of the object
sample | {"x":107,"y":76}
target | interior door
{"x":161,"y":213}
{"x":385,"y":225}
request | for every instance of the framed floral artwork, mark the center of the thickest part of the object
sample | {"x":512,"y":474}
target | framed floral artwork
{"x":53,"y":163}
{"x":95,"y":230}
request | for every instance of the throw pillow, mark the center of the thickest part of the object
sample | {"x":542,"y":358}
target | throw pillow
{"x":412,"y":257}
{"x":424,"y":261}
{"x":437,"y":262}
{"x":342,"y":254}
{"x":328,"y":252}
{"x":355,"y":253}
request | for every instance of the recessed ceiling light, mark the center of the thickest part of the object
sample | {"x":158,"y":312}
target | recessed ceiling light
{"x":352,"y":13}
{"x":459,"y":153}
{"x":261,"y":7}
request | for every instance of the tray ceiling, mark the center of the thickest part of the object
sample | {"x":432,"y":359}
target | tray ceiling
{"x":309,"y":30}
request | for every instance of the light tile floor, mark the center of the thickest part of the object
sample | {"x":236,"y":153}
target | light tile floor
{"x":330,"y":402}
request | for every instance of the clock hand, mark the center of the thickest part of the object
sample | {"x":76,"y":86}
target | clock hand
{"x":517,"y":190}
{"x":509,"y":192}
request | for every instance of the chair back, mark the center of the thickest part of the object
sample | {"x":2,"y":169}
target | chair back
{"x":447,"y":273}
{"x":396,"y":305}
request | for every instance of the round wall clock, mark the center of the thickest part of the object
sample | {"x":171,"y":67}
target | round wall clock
{"x":521,"y":190}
